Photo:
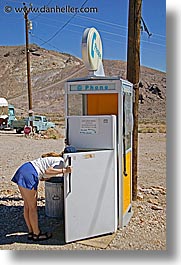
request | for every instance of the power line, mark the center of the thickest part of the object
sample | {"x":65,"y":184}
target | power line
{"x":101,"y":31}
{"x":34,"y":36}
{"x":35,"y":17}
{"x":97,"y":20}
{"x":56,"y":33}
{"x":114,"y":24}
{"x":154,"y":43}
{"x":111,"y":25}
{"x":104,"y":22}
{"x":112,"y":40}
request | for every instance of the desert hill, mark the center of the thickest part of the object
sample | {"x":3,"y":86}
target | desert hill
{"x":50,"y":70}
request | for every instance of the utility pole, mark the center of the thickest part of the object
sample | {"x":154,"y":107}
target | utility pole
{"x":27,"y":27}
{"x":133,"y":71}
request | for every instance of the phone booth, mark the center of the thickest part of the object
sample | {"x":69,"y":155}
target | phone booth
{"x":99,"y":123}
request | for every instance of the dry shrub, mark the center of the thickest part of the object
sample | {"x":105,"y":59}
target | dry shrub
{"x":52,"y":133}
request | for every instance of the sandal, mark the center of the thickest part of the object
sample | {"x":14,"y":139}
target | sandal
{"x":41,"y":236}
{"x":30,"y":236}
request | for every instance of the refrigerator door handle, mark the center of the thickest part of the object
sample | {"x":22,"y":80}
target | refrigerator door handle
{"x":70,"y":175}
{"x":70,"y":186}
{"x":69,"y":178}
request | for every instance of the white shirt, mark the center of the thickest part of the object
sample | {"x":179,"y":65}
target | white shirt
{"x":41,"y":164}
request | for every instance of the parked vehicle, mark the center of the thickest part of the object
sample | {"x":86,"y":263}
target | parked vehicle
{"x":40,"y":123}
{"x":19,"y":125}
{"x":7,"y":114}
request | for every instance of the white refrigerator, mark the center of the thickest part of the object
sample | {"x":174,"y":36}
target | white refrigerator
{"x":90,"y":191}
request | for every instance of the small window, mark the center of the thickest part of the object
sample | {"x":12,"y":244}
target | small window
{"x":128,"y":119}
{"x":37,"y":118}
{"x":75,"y":104}
{"x":11,"y":112}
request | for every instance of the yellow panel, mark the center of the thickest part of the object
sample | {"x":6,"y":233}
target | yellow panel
{"x":102,"y":104}
{"x":127,"y":184}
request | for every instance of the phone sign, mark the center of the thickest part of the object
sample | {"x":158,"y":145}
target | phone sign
{"x":91,"y":49}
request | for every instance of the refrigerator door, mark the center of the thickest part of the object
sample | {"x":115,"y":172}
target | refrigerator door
{"x":90,"y":195}
{"x":92,"y":132}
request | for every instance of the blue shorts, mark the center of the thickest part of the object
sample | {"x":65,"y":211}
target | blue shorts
{"x":26,"y":176}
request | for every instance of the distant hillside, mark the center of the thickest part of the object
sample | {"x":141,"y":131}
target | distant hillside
{"x":50,"y":70}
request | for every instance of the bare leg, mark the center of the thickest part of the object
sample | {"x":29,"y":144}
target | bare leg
{"x":30,"y":209}
{"x":26,"y":217}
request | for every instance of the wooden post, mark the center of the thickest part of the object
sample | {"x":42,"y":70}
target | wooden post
{"x":28,"y":66}
{"x":133,"y":72}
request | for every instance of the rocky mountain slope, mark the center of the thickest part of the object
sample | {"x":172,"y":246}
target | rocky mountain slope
{"x":50,"y":70}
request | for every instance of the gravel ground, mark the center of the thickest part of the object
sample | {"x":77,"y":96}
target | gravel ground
{"x":145,"y":231}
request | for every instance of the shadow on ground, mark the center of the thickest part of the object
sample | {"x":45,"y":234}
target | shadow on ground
{"x":13,"y":228}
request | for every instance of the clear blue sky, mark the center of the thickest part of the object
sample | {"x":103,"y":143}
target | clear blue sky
{"x":63,"y":31}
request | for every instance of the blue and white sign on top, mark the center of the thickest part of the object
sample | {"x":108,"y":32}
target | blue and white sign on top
{"x":91,"y":49}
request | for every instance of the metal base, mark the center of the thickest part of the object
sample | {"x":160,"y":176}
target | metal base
{"x":126,"y":218}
